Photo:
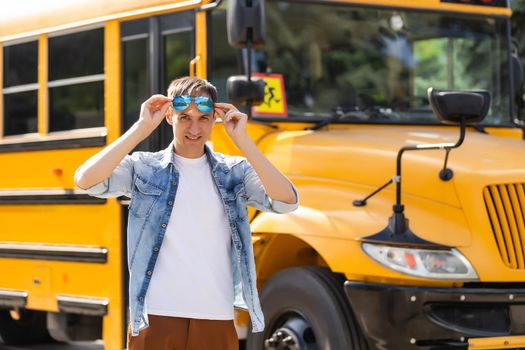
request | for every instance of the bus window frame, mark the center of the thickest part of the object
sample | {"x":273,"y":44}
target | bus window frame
{"x":101,"y":77}
{"x":154,"y":28}
{"x":50,"y":140}
{"x":24,"y":87}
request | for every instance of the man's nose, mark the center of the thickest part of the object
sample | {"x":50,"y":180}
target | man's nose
{"x":194,"y":127}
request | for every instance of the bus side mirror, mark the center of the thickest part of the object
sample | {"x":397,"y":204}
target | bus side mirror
{"x":246,"y":23}
{"x":240,"y":90}
{"x":451,"y":107}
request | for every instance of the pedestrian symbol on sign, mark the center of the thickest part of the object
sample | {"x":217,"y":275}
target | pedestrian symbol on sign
{"x":274,"y":96}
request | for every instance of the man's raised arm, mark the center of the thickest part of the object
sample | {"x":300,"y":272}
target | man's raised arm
{"x":100,"y":166}
{"x":277,"y":186}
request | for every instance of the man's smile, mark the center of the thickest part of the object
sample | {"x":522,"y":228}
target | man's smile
{"x":193,"y":138}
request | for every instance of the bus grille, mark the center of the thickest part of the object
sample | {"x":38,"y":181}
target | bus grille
{"x":506,"y":209}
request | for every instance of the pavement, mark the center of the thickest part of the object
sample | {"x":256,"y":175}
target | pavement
{"x":96,"y":345}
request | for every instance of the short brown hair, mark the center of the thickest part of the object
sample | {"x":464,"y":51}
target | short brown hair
{"x":192,"y":86}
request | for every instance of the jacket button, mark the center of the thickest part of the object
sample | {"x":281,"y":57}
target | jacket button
{"x":164,"y":225}
{"x":146,"y":191}
{"x":156,"y":249}
{"x":170,"y":203}
{"x":174,"y":183}
{"x":149,"y":273}
{"x":141,"y":298}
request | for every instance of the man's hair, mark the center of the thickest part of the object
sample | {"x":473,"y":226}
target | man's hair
{"x":192,"y":86}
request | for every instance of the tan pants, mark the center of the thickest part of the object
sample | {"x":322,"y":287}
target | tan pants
{"x":179,"y":333}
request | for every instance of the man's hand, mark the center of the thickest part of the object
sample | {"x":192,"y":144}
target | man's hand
{"x":234,"y":121}
{"x":152,"y":111}
{"x":277,"y":186}
{"x":100,"y":166}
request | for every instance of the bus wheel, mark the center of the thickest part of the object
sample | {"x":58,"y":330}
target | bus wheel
{"x":305,"y":309}
{"x":29,"y":328}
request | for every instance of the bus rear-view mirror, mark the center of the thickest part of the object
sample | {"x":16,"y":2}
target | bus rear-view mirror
{"x":241,"y":90}
{"x":246,"y":23}
{"x":451,"y":106}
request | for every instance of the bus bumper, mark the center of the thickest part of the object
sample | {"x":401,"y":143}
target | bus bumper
{"x":401,"y":317}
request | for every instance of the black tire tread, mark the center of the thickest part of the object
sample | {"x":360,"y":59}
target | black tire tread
{"x":331,"y":284}
{"x":335,"y":283}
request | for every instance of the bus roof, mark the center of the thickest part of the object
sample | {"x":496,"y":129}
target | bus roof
{"x":29,"y":18}
{"x":26,"y":18}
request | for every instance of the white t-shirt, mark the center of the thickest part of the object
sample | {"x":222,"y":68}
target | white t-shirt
{"x":193,"y":274}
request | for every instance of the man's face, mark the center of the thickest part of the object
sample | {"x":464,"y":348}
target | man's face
{"x":191,"y":129}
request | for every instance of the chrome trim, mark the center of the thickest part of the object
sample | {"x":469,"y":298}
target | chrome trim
{"x":53,"y":248}
{"x":77,"y":80}
{"x":82,"y":305}
{"x":20,"y":88}
{"x":59,"y":144}
{"x":29,"y":137}
{"x":20,"y":41}
{"x":177,"y":30}
{"x":76,"y":30}
{"x":134,"y":37}
{"x":210,"y":6}
{"x":39,"y":192}
{"x":13,"y":298}
{"x":79,"y":133}
{"x":55,"y":136}
{"x":47,"y":196}
{"x":12,"y":250}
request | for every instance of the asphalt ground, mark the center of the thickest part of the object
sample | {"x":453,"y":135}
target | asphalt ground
{"x":96,"y":345}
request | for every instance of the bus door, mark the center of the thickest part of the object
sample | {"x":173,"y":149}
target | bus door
{"x":155,"y":50}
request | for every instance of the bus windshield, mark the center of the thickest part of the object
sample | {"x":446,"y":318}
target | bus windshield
{"x":375,"y":65}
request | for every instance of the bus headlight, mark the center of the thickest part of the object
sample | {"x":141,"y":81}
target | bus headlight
{"x":439,"y":264}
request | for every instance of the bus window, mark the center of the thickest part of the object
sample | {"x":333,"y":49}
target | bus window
{"x":224,"y":60}
{"x":178,"y":48}
{"x":76,"y":80}
{"x":442,"y":61}
{"x":136,"y":82}
{"x":374,"y":65}
{"x":453,"y":61}
{"x":20,"y":88}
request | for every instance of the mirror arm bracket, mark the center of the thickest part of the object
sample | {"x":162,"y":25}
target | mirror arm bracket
{"x":397,"y":178}
{"x":446,"y":173}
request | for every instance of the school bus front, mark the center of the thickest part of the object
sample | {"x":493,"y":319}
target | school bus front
{"x":347,"y":85}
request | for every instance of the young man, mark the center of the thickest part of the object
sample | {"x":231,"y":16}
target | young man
{"x":189,"y":242}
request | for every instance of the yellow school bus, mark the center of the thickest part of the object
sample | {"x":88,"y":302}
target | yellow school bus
{"x":346,"y":88}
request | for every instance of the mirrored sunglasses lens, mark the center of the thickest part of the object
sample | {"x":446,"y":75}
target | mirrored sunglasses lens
{"x":204,"y":104}
{"x":180,"y":103}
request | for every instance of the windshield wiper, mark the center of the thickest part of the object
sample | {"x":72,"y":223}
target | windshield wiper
{"x":374,"y":112}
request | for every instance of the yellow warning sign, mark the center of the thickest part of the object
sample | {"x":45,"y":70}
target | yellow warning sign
{"x":274,"y":96}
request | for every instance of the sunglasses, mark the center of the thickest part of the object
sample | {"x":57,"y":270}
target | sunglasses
{"x":203,"y":103}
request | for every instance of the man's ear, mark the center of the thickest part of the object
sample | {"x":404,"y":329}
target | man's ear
{"x":169,"y":116}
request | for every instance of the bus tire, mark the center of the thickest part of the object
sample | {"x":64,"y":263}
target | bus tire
{"x":305,"y":308}
{"x":31,"y":328}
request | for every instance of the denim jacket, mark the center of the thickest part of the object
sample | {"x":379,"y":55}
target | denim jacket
{"x":151,"y":180}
